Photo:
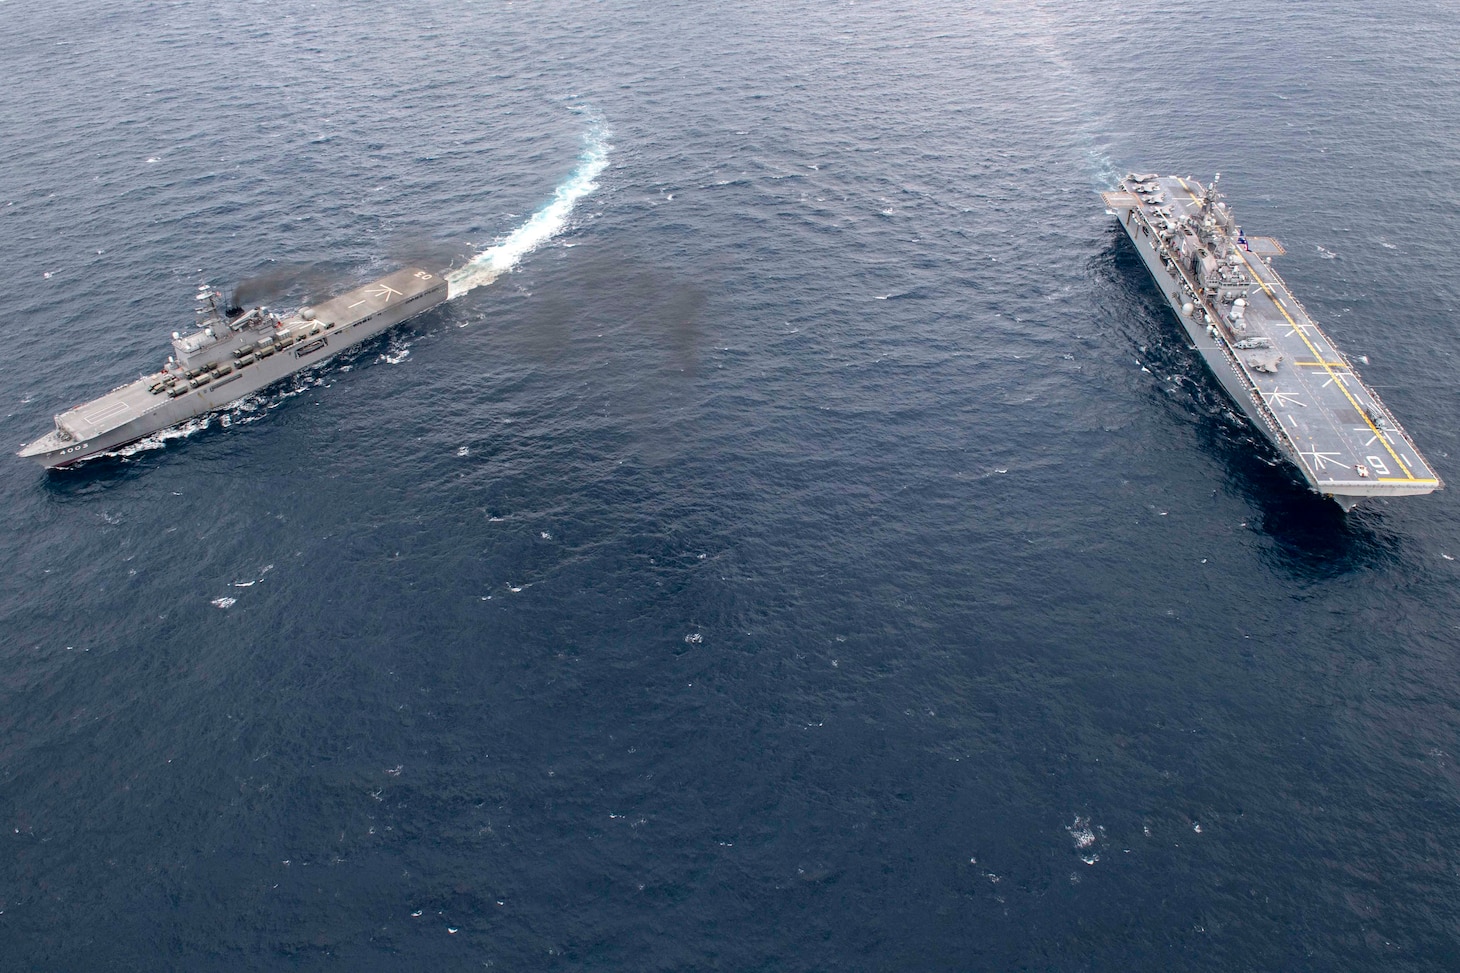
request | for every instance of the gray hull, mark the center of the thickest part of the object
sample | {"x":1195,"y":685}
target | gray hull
{"x":229,"y":360}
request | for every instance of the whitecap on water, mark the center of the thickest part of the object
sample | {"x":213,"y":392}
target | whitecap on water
{"x":249,"y":584}
{"x":159,"y":439}
{"x":1081,"y":833}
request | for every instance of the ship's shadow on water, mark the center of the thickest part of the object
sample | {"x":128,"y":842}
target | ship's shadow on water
{"x":91,"y":478}
{"x":1311,"y":534}
{"x":101,"y":474}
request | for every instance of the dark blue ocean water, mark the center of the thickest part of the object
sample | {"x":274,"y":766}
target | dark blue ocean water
{"x":821,"y":554}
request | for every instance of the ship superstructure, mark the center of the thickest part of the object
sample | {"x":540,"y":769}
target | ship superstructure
{"x":230,"y":354}
{"x":1268,"y":353}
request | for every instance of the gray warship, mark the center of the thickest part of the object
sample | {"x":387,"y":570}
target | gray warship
{"x":1269,"y":354}
{"x":229,"y":354}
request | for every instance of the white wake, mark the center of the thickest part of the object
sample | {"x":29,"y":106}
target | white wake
{"x":546,"y":223}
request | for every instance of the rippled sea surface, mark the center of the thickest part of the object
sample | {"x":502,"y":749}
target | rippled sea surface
{"x":820,"y":551}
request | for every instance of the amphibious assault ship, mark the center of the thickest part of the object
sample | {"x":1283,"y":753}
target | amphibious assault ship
{"x":1269,"y":354}
{"x":230,"y":354}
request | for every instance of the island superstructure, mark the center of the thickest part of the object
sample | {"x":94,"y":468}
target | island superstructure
{"x":1268,"y":353}
{"x":230,"y":354}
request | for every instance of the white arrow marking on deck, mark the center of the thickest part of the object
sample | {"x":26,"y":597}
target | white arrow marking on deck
{"x":1374,"y":438}
{"x":385,"y":291}
{"x":1322,"y":459}
{"x":1280,"y":398}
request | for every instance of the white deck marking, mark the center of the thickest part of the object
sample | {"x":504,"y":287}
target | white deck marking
{"x":1378,"y":435}
{"x":103,"y":414}
{"x":1280,"y":398}
{"x":1322,"y":459}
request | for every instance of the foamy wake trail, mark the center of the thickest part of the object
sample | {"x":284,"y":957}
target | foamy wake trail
{"x":546,"y":223}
